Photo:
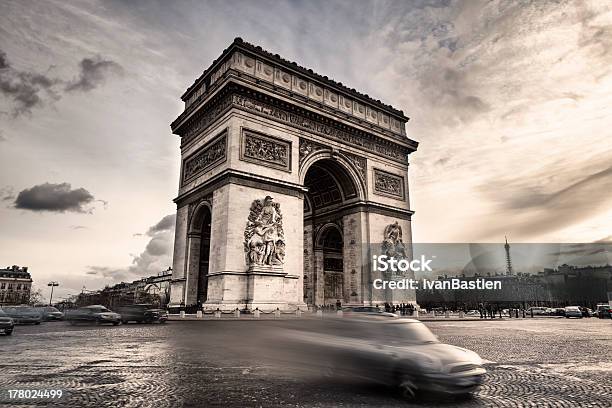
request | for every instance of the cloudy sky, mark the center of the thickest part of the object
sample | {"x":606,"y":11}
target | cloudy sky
{"x":509,"y":100}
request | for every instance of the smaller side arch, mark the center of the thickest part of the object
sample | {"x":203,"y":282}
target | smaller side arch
{"x":202,"y":209}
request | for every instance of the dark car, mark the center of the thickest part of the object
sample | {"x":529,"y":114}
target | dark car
{"x":142,"y":313}
{"x":368,"y":310}
{"x":403,"y":352}
{"x":23,"y":314}
{"x":50,"y":313}
{"x":97,"y":314}
{"x":6,"y":323}
{"x":603,"y":311}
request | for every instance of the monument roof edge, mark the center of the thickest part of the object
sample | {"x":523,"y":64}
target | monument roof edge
{"x":239,"y":43}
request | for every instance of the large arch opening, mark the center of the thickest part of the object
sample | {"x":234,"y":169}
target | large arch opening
{"x":331,"y":188}
{"x":200,"y":236}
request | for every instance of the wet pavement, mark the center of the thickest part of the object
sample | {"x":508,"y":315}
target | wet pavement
{"x":531,"y":362}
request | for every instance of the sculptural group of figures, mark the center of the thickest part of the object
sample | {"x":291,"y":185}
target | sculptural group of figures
{"x":264,"y":238}
{"x":393,"y":244}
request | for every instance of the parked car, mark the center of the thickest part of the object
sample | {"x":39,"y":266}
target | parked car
{"x":603,"y":311}
{"x":97,"y":314}
{"x":538,"y":311}
{"x":142,"y":313}
{"x":50,"y":313}
{"x":367,"y":310}
{"x":586,"y":312}
{"x":23,"y":314}
{"x":7,"y":324}
{"x":403,"y":352}
{"x":573,"y":311}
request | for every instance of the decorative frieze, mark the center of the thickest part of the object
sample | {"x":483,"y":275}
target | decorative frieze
{"x":205,"y":158}
{"x":388,"y":184}
{"x":265,"y":150}
{"x":362,"y":140}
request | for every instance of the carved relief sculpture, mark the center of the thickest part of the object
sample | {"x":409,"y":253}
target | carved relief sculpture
{"x":266,"y":151}
{"x":205,"y":158}
{"x":307,"y":147}
{"x":393,"y":244}
{"x":388,"y":184}
{"x":264,"y":240}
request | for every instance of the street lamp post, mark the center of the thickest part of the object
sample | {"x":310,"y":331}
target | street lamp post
{"x":52,"y":284}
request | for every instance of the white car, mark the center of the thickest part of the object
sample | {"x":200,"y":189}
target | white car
{"x":573,"y":311}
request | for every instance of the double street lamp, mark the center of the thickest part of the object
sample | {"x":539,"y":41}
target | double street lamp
{"x":52,"y":284}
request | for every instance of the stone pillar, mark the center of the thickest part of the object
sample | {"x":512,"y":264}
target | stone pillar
{"x":355,"y":253}
{"x":177,"y":285}
{"x":193,"y":269}
{"x":319,"y":278}
{"x":232,"y":281}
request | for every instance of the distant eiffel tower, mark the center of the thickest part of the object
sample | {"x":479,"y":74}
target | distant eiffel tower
{"x":508,"y":259}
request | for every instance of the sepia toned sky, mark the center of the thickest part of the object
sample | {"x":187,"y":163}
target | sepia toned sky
{"x":509,"y":100}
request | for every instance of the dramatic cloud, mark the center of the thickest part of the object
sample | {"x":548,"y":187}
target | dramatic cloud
{"x":94,"y":72}
{"x":7,"y":193}
{"x":165,"y":224}
{"x":156,"y":257}
{"x":539,"y":207}
{"x":26,"y":89}
{"x":54,"y":198}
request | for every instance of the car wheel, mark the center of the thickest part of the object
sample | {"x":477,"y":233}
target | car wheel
{"x":407,"y":386}
{"x":37,"y":323}
{"x":8,"y":332}
{"x":116,"y":323}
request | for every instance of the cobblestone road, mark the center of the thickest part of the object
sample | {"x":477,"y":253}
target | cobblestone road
{"x":533,"y":362}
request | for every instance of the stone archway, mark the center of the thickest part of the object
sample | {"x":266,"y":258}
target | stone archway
{"x":259,"y":132}
{"x":332,"y":189}
{"x":199,"y":238}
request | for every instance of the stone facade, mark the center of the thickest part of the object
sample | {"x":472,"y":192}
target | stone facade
{"x":287,"y":179}
{"x":15,"y":285}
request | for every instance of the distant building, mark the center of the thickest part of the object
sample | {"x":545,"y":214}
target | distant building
{"x":15,"y":285}
{"x":152,"y":289}
{"x":567,"y":285}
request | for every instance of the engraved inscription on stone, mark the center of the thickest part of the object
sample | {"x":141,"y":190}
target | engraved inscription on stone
{"x":388,"y":184}
{"x":265,"y":150}
{"x":207,"y":157}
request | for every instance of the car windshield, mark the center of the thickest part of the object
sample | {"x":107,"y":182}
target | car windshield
{"x":2,"y":313}
{"x":409,"y":333}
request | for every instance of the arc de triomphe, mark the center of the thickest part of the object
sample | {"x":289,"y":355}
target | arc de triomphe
{"x":289,"y":182}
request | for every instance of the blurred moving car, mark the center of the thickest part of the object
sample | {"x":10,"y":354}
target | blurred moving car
{"x":573,"y":311}
{"x":603,"y":311}
{"x":23,"y":314}
{"x":97,"y":314}
{"x":400,"y":352}
{"x":50,"y":313}
{"x":142,"y":313}
{"x":367,"y":310}
{"x":538,"y":311}
{"x":6,"y":323}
